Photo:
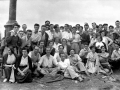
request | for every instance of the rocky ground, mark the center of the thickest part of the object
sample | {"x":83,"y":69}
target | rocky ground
{"x":95,"y":83}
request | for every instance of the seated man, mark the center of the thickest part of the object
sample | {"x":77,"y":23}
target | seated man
{"x":35,"y":57}
{"x":76,"y":62}
{"x":115,"y":58}
{"x":47,"y":64}
{"x":83,"y":53}
{"x":69,"y":71}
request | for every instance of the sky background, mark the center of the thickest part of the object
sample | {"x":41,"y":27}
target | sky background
{"x":61,"y":12}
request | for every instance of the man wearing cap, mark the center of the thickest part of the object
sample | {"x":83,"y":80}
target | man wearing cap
{"x":14,"y":40}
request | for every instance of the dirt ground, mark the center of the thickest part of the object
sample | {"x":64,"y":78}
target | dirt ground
{"x":95,"y":83}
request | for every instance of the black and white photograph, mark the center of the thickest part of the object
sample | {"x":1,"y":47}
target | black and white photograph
{"x":59,"y":44}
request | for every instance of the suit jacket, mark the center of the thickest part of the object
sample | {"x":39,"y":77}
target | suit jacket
{"x":17,"y":64}
{"x":14,"y":41}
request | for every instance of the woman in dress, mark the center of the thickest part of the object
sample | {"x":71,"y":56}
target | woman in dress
{"x":103,"y":59}
{"x":23,"y":67}
{"x":92,"y":61}
{"x":9,"y":60}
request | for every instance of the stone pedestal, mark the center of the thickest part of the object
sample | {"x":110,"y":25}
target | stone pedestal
{"x":12,"y":16}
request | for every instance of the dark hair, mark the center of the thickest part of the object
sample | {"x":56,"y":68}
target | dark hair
{"x":36,"y":25}
{"x":64,"y":39}
{"x":111,"y":26}
{"x":24,"y":24}
{"x":93,"y":46}
{"x":81,"y":27}
{"x":105,"y":24}
{"x":11,"y":49}
{"x":62,"y":27}
{"x":99,"y":36}
{"x":50,"y":42}
{"x":62,"y":53}
{"x":117,"y":21}
{"x":16,"y":24}
{"x":104,"y":47}
{"x":104,"y":32}
{"x":55,"y":26}
{"x":85,"y":43}
{"x":47,"y":21}
{"x":61,"y":46}
{"x":25,"y":48}
{"x":29,"y":30}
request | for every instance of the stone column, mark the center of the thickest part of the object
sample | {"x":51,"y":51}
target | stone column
{"x":12,"y":16}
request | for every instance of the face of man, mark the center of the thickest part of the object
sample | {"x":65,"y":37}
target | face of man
{"x":66,"y":27}
{"x":24,"y":26}
{"x":48,"y":50}
{"x":60,"y":49}
{"x":43,"y":29}
{"x":117,"y":24}
{"x":42,"y":44}
{"x":47,"y":23}
{"x":29,"y":34}
{"x":21,"y":33}
{"x":94,"y":25}
{"x":51,"y":27}
{"x":24,"y":52}
{"x":86,"y":27}
{"x":74,"y":30}
{"x":36,"y":49}
{"x":16,"y":29}
{"x":72,"y":52}
{"x":64,"y":42}
{"x":36,"y":28}
{"x":62,"y":57}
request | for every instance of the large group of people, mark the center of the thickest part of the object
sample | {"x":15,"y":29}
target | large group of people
{"x":73,"y":50}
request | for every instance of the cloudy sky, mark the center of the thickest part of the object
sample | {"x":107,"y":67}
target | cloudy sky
{"x":62,"y":11}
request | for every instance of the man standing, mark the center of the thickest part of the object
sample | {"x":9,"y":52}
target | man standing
{"x":14,"y":40}
{"x":36,"y":36}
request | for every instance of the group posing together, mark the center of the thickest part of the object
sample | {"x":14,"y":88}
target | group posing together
{"x":72,"y":50}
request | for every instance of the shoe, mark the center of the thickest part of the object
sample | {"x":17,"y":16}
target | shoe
{"x":5,"y":80}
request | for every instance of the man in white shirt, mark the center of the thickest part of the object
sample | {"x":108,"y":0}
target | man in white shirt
{"x":50,"y":32}
{"x":36,"y":35}
{"x":47,"y":64}
{"x":64,"y":64}
{"x":67,"y":34}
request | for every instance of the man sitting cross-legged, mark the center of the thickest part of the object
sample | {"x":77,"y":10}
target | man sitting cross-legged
{"x":69,"y":71}
{"x":76,"y":62}
{"x":35,"y":57}
{"x":47,"y":64}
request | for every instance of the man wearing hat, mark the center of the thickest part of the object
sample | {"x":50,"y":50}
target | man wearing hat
{"x":13,"y":39}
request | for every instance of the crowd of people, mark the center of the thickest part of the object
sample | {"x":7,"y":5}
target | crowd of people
{"x":73,"y":50}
